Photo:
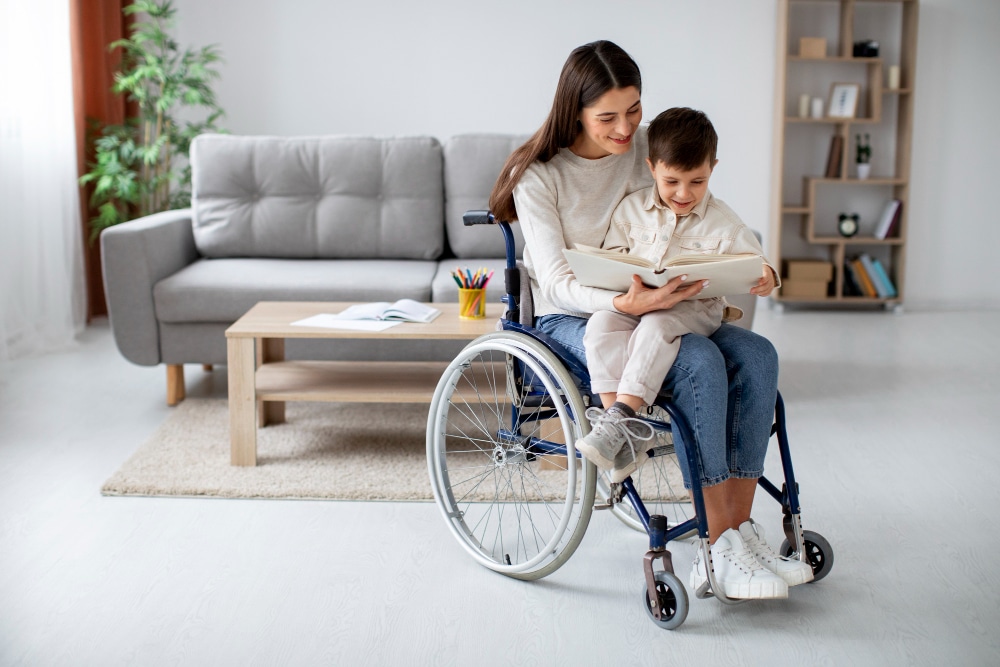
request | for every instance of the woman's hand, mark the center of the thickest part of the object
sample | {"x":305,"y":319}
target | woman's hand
{"x":640,"y":299}
{"x":766,"y":283}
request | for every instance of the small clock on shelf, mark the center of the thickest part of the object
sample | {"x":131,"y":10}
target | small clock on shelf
{"x":847,"y":225}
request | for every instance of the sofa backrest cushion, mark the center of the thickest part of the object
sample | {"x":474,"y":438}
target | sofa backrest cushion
{"x":472,"y":163}
{"x":317,"y":197}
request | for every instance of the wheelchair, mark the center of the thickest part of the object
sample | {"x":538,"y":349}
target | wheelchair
{"x":517,"y":495}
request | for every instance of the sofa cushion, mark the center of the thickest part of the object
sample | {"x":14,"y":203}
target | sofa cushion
{"x":222,"y":290}
{"x":317,"y":197}
{"x":471,"y":165}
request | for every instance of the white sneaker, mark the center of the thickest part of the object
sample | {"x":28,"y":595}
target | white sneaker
{"x":737,"y":571}
{"x":793,"y":571}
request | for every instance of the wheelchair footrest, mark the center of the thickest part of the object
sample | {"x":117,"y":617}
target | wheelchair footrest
{"x":615,"y":495}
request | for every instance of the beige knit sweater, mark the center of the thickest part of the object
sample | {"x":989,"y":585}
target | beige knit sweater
{"x":570,"y":200}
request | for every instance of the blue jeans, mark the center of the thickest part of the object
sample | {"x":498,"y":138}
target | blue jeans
{"x":724,"y":385}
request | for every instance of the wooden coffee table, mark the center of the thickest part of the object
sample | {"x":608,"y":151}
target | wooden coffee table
{"x":261,"y":380}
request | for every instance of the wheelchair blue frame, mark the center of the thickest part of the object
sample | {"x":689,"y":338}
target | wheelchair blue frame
{"x":786,"y":496}
{"x":665,"y":597}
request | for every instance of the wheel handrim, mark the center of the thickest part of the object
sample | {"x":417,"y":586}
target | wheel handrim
{"x":519,"y":495}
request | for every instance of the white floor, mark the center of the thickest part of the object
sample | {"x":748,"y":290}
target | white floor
{"x":893,"y":419}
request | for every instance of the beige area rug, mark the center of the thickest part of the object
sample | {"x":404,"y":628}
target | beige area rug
{"x":333,"y":451}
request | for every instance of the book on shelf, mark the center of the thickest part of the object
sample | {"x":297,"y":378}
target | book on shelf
{"x":890,"y":219}
{"x":613,"y":270}
{"x":852,"y":284}
{"x":865,"y":281}
{"x":870,"y":276}
{"x":835,"y":156}
{"x":881,"y":290}
{"x":883,"y":278}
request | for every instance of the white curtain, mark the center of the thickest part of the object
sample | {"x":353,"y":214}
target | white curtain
{"x":42,"y":289}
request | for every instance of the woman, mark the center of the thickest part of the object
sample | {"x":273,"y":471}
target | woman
{"x":562,"y":186}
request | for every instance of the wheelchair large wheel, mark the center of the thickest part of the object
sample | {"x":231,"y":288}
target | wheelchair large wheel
{"x":659,"y":482}
{"x":501,"y":457}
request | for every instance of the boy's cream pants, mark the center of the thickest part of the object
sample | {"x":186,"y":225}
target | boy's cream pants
{"x":632,"y":355}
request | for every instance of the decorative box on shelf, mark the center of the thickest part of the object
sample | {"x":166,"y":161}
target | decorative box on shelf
{"x":812,"y":47}
{"x":806,"y":278}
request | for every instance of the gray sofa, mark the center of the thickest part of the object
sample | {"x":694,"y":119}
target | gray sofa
{"x":303,"y":219}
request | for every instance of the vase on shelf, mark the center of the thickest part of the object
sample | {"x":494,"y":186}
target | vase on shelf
{"x":864,"y":171}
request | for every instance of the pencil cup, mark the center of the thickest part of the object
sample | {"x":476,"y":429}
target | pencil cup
{"x":472,"y":304}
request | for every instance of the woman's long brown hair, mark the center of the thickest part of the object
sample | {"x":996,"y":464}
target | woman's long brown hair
{"x":590,"y":71}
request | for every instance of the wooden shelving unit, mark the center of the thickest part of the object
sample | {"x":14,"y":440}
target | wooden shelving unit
{"x":805,"y":201}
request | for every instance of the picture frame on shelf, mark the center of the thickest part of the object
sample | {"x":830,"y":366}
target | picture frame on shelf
{"x":843,"y":100}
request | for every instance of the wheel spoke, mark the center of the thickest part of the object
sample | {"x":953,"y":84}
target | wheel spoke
{"x":518,"y":513}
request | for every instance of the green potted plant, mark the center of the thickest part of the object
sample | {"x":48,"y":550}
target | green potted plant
{"x":140,"y":167}
{"x":863,"y":152}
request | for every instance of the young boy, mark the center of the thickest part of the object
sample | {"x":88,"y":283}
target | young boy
{"x":628,"y":357}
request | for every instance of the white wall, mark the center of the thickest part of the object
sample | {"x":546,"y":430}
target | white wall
{"x":445,"y":67}
{"x":953,"y":256}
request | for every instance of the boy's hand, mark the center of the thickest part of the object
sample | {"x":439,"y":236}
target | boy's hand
{"x":766,"y":283}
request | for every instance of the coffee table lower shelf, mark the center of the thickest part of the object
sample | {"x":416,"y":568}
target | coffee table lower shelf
{"x":349,"y":381}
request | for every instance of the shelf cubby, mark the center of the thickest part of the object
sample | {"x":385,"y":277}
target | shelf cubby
{"x":808,"y":199}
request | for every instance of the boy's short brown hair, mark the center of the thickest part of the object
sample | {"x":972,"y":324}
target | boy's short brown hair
{"x":683,"y":138}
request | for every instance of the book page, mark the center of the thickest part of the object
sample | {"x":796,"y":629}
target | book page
{"x":406,"y":310}
{"x":331,"y":321}
{"x":616,"y":255}
{"x":688,"y":260}
{"x":410,"y":310}
{"x":728,"y":275}
{"x":364,"y":311}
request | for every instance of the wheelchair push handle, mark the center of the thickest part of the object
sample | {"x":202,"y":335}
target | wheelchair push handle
{"x":478,"y":218}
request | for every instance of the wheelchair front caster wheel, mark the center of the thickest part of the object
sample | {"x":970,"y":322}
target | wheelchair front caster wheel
{"x":819,"y":553}
{"x":671,"y":598}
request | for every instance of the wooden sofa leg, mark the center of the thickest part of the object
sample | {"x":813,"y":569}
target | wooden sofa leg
{"x":175,"y":384}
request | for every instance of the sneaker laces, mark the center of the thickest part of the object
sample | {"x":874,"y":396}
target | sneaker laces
{"x":744,"y":558}
{"x":620,"y":429}
{"x":760,"y":545}
{"x":747,"y":560}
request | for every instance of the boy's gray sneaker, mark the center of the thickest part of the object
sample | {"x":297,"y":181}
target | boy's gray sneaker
{"x":601,"y":444}
{"x":612,"y":432}
{"x":629,"y":459}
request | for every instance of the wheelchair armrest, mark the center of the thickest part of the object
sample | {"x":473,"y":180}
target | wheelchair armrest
{"x":478,"y":218}
{"x":575,"y":368}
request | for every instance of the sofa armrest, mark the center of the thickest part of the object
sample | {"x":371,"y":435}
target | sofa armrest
{"x":135,"y":256}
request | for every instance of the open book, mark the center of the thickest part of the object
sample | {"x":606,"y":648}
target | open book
{"x":377,"y":316}
{"x":613,"y":270}
{"x":404,"y":310}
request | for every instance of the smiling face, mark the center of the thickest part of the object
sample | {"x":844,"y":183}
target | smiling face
{"x":679,"y":189}
{"x":609,"y":124}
